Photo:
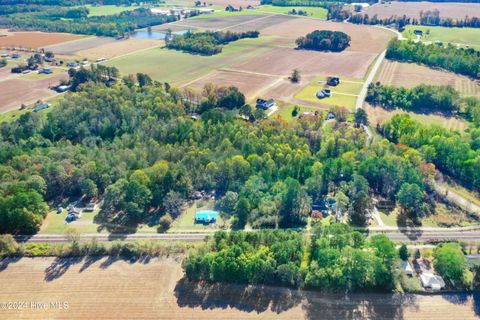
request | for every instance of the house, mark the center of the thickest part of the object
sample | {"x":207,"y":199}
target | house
{"x":307,"y":115}
{"x":90,"y":207}
{"x":62,"y":88}
{"x":325,"y":93}
{"x":100,"y":60}
{"x":330,"y":116}
{"x":73,"y":65}
{"x":205,"y":11}
{"x":320,"y":206}
{"x":5,"y":55}
{"x":74,"y":213}
{"x":206,"y":216}
{"x":45,"y":71}
{"x":16,"y":55}
{"x":432,"y":281}
{"x":41,"y":107}
{"x":333,"y":81}
{"x":265,"y":104}
{"x":407,"y":268}
{"x":418,"y":32}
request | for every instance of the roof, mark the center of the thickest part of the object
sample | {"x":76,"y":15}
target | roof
{"x":429,"y":280}
{"x":206,"y":215}
{"x":407,"y":267}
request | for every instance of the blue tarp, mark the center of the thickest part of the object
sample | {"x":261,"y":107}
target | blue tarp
{"x":206,"y":216}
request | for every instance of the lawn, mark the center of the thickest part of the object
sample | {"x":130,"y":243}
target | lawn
{"x":313,"y":12}
{"x":34,"y":75}
{"x":342,"y":95}
{"x":108,"y":10}
{"x":285,"y":111}
{"x":14,"y":114}
{"x":55,"y":223}
{"x":175,"y":66}
{"x":186,"y":221}
{"x":464,"y":36}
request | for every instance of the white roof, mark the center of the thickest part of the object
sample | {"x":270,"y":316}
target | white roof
{"x":407,"y":267}
{"x":429,"y":280}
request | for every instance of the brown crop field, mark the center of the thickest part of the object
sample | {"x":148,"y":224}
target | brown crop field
{"x":71,"y":48}
{"x":107,"y":288}
{"x":364,"y":38}
{"x":281,"y":61}
{"x":215,"y":23}
{"x":235,"y":3}
{"x":248,"y":83}
{"x":36,"y":39}
{"x":411,"y":74}
{"x":119,"y":48}
{"x":14,"y":92}
{"x":412,"y":9}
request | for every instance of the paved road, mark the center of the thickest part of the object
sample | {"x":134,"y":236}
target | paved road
{"x":468,"y":236}
{"x":371,"y":75}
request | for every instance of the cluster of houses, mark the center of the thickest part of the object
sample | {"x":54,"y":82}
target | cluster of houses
{"x":182,"y":12}
{"x":428,"y":278}
{"x":75,"y":211}
{"x":332,"y":81}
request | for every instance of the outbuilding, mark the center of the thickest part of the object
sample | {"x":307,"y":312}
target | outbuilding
{"x":206,"y":216}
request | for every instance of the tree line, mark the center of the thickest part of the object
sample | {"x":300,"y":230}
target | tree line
{"x":59,"y":19}
{"x":341,"y":259}
{"x":207,"y":43}
{"x":422,"y":98}
{"x":453,"y":153}
{"x":324,"y":40}
{"x":458,"y":60}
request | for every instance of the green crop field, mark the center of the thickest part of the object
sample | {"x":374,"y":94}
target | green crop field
{"x":463,"y":36}
{"x":313,"y":12}
{"x":175,"y":66}
{"x":108,"y":10}
{"x":342,"y":95}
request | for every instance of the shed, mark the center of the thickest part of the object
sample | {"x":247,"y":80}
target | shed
{"x":432,"y":281}
{"x":407,"y":268}
{"x":41,"y":107}
{"x":206,"y":216}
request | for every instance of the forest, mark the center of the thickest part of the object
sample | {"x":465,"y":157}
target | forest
{"x":341,"y":259}
{"x":454,"y":153}
{"x":207,"y":43}
{"x":75,"y":20}
{"x":422,"y":98}
{"x":458,"y":60}
{"x":324,"y":40}
{"x":138,"y":149}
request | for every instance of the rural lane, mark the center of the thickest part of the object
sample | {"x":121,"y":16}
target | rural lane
{"x":455,"y":198}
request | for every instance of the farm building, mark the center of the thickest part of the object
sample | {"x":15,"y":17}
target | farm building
{"x":333,"y":81}
{"x":206,"y":216}
{"x":265,"y":104}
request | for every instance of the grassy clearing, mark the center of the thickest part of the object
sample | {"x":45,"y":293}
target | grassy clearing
{"x":14,"y":114}
{"x":108,"y":10}
{"x":463,"y":36}
{"x":175,"y":66}
{"x":313,"y":12}
{"x":343,"y":94}
{"x":285,"y":111}
{"x":186,"y":221}
{"x":55,"y":223}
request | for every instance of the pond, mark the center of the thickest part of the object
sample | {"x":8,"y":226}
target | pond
{"x":153,"y":35}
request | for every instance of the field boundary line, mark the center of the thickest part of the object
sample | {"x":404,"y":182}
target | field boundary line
{"x":246,"y":22}
{"x":133,"y":52}
{"x":252,"y":72}
{"x":345,"y":94}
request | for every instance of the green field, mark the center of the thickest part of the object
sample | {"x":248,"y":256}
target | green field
{"x":108,"y":10}
{"x":14,"y":114}
{"x":342,"y":95}
{"x":463,"y":36}
{"x":34,"y":75}
{"x":286,"y":111}
{"x":175,"y":66}
{"x":313,"y":12}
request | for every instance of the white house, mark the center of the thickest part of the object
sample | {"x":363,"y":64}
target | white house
{"x":407,"y":268}
{"x":431,"y":281}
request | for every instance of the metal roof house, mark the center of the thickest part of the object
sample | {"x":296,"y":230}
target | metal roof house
{"x":432,"y":281}
{"x":206,"y":216}
{"x":265,"y":104}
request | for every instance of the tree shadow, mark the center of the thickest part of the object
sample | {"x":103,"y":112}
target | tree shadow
{"x":456,"y":298}
{"x":246,"y":298}
{"x":89,"y":261}
{"x":119,"y":225}
{"x":408,"y":228}
{"x":316,"y":305}
{"x":356,"y":306}
{"x":5,"y":262}
{"x":59,"y":267}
